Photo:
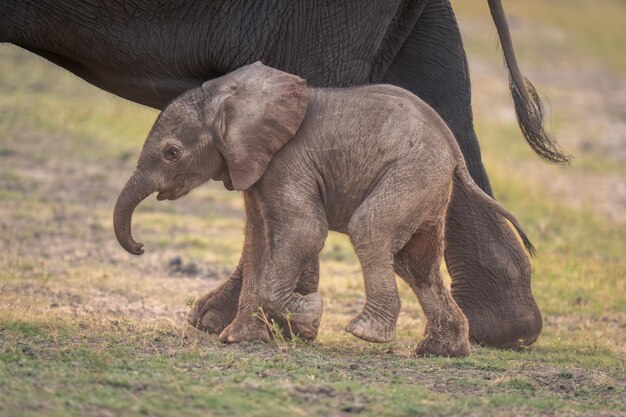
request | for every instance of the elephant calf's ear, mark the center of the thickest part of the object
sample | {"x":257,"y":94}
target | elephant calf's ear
{"x":264,"y":112}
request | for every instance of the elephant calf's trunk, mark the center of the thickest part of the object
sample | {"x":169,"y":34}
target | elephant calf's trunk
{"x":135,"y":191}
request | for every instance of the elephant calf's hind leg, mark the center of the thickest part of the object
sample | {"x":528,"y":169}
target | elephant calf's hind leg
{"x":419,"y":263}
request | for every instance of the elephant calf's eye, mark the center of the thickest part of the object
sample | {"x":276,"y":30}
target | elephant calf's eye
{"x":171,"y":153}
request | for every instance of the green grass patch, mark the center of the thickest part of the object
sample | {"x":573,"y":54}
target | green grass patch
{"x":92,"y":366}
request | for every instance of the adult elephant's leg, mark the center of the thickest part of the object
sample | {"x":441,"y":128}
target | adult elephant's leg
{"x":217,"y":309}
{"x":490,"y":271}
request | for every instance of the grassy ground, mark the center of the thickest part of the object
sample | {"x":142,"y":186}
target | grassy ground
{"x":86,"y":329}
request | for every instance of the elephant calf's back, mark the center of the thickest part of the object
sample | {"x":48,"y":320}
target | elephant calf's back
{"x":393,"y":122}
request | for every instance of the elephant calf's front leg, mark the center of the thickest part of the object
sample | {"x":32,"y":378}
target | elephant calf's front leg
{"x":298,"y":314}
{"x":217,"y":309}
{"x":271,"y":273}
{"x":295,"y":247}
{"x":377,"y":321}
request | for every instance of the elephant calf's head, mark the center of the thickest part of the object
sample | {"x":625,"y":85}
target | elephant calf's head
{"x":227,"y":130}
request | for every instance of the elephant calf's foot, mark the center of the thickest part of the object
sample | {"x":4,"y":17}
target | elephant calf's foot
{"x":377,"y":330}
{"x":446,"y":339}
{"x":304,"y":320}
{"x":452,"y":348}
{"x":213,"y":311}
{"x":245,"y":330}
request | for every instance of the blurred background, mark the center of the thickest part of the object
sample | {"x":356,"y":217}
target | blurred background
{"x":67,"y":148}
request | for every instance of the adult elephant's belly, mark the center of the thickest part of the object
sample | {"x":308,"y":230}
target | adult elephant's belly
{"x":136,"y":84}
{"x":155,"y":86}
{"x":148,"y":90}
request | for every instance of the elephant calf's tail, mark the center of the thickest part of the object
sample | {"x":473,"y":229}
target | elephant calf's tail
{"x":463,"y":175}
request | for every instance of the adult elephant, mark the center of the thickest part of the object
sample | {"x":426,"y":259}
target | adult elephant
{"x":150,"y":51}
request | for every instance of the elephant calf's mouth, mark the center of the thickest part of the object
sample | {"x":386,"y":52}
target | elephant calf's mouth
{"x":171,"y":194}
{"x":174,"y":193}
{"x":181,"y":186}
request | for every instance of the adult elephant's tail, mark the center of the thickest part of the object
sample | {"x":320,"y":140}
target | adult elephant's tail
{"x":528,"y":106}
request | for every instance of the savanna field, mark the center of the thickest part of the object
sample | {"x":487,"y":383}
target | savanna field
{"x":89,"y":330}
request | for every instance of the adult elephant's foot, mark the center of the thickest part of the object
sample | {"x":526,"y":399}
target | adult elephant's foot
{"x":214,"y":311}
{"x":490,"y":276}
{"x":512,"y":321}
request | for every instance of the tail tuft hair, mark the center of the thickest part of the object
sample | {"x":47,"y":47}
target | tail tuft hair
{"x":530,"y":116}
{"x":527,"y":243}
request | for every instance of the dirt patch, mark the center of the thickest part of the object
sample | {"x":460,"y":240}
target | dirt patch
{"x":55,"y":220}
{"x":178,"y":267}
{"x":575,"y":382}
{"x":92,"y":303}
{"x":339,"y":402}
{"x":59,"y":206}
{"x":397,"y":366}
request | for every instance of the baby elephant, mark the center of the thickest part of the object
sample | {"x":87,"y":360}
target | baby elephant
{"x":373,"y":162}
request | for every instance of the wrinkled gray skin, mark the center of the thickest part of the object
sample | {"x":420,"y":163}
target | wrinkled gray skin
{"x":375,"y":163}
